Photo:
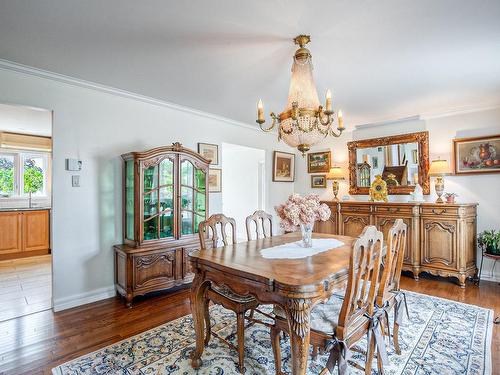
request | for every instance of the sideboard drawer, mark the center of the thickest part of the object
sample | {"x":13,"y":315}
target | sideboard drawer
{"x":355,"y":208}
{"x":393,"y":209}
{"x":440,"y":210}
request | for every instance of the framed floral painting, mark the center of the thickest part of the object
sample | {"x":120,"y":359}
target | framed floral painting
{"x":283,"y":167}
{"x":476,"y":155}
{"x":318,"y":162}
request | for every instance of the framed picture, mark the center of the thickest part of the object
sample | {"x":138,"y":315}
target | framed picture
{"x":215,"y":180}
{"x":209,"y":151}
{"x":283,"y":167}
{"x":318,"y":162}
{"x":375,"y":162}
{"x":318,"y":181}
{"x":476,"y":155}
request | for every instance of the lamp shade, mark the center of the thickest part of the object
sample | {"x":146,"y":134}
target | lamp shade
{"x":336,"y":173}
{"x":439,"y":168}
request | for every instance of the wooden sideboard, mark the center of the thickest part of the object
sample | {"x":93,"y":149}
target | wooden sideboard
{"x":24,"y":233}
{"x":441,"y":237}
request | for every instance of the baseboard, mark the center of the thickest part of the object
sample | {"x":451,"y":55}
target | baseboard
{"x":494,"y":278}
{"x":83,"y":298}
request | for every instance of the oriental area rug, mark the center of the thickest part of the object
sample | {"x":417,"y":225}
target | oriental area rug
{"x":440,"y":337}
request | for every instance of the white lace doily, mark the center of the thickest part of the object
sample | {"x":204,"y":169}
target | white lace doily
{"x":295,"y":250}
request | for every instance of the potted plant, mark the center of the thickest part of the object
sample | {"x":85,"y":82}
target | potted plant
{"x":489,"y":240}
{"x":450,"y":197}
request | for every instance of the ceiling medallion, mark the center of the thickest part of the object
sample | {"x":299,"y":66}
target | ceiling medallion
{"x":304,"y":122}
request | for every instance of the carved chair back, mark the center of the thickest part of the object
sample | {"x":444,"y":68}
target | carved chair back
{"x":396,"y":247}
{"x":362,"y":282}
{"x":208,"y":231}
{"x":263,"y":225}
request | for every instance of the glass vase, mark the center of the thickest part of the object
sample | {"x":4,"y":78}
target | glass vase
{"x":306,"y":230}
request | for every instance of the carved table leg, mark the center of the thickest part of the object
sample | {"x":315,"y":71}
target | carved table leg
{"x":198,"y":307}
{"x":298,"y":312}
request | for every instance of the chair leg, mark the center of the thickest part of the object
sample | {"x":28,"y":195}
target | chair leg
{"x":275,"y":341}
{"x":315,"y":353}
{"x":395,"y":338}
{"x":379,"y":365}
{"x":240,"y":323}
{"x":369,"y":356}
{"x":208,"y":327}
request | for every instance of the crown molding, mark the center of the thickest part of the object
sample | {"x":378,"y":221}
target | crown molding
{"x":460,"y":111}
{"x":72,"y":81}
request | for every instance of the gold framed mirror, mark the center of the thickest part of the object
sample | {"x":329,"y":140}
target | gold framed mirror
{"x":401,"y":160}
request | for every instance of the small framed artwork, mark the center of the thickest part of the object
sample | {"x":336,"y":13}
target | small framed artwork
{"x":318,"y":181}
{"x":215,"y":180}
{"x":209,"y":151}
{"x":375,"y":162}
{"x":283,"y":167}
{"x":318,"y":162}
{"x":476,"y":155}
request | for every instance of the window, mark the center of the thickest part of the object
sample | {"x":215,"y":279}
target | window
{"x":7,"y":181}
{"x":22,"y":173}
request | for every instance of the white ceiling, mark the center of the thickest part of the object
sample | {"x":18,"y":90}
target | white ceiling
{"x":25,"y":120}
{"x":382,"y":59}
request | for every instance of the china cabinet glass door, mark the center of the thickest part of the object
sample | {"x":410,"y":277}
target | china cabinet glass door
{"x":193,"y":197}
{"x":158,"y":200}
{"x":129,"y":199}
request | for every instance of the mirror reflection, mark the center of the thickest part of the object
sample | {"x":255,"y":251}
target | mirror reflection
{"x":396,"y":163}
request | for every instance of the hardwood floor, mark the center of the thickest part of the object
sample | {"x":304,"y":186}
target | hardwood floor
{"x":35,"y":343}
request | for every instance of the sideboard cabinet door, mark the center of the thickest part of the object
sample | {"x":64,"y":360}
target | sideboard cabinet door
{"x":153,"y":270}
{"x":439,"y":243}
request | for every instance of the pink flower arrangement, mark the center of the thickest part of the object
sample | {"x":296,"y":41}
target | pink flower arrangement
{"x":302,"y":210}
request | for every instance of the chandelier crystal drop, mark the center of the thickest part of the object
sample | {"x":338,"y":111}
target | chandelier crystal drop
{"x":304,"y":122}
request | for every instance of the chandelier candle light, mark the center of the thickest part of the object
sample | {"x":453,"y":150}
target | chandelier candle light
{"x":304,"y":122}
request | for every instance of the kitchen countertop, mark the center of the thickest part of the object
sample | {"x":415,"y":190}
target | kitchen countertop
{"x":7,"y":209}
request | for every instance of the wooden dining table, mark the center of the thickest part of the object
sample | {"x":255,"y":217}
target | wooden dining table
{"x":296,"y":285}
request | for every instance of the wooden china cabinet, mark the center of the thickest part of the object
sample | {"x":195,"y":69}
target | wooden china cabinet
{"x":165,"y":197}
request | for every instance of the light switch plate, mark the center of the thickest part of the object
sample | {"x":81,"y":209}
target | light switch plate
{"x":75,"y":181}
{"x":73,"y":165}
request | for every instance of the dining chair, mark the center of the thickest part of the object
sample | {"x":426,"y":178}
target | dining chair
{"x":339,"y":323}
{"x":389,"y":293}
{"x":208,"y":230}
{"x":263,"y":223}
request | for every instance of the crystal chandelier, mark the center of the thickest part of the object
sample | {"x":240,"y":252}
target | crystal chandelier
{"x":304,"y":122}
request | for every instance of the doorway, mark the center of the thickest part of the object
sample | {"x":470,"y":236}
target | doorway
{"x":243,"y":183}
{"x":25,"y":210}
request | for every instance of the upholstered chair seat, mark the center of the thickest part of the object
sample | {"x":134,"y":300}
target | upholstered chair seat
{"x":228,"y":293}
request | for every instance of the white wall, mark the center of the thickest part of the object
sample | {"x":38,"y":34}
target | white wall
{"x":483,"y":189}
{"x":97,"y":127}
{"x":241,"y":183}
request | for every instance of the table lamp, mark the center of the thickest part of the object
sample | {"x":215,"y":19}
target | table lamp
{"x":439,"y":168}
{"x":335,"y":174}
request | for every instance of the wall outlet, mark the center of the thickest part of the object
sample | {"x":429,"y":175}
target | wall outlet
{"x":75,"y":181}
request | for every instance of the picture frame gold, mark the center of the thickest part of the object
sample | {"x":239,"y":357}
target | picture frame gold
{"x":215,"y":180}
{"x":476,"y":155}
{"x":209,"y":151}
{"x":283,"y":167}
{"x":319,"y":162}
{"x":318,"y":181}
